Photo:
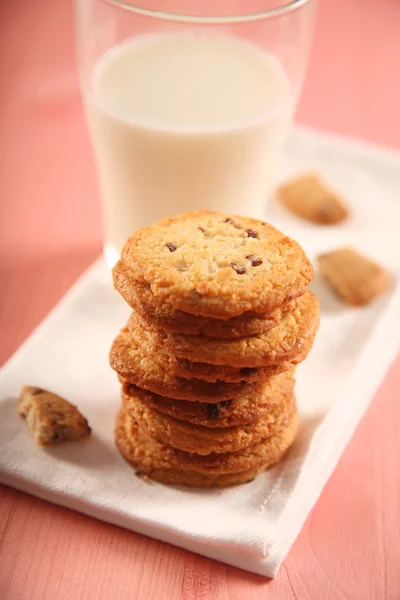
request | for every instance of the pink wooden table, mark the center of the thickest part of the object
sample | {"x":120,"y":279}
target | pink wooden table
{"x":50,"y":231}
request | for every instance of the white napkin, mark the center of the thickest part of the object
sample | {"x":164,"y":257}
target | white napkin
{"x":250,"y":526}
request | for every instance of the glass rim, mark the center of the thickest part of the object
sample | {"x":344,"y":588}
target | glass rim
{"x":275,"y":11}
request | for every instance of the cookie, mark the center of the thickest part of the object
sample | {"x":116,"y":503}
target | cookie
{"x":50,"y":418}
{"x":355,"y":278}
{"x":245,"y":409}
{"x":154,"y":342}
{"x":292,"y":337}
{"x":310,"y":198}
{"x":204,"y":440}
{"x":129,"y":360}
{"x":168,"y":465}
{"x":217,"y":266}
{"x":163,"y":315}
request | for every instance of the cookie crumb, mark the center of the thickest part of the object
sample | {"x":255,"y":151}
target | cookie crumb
{"x":310,"y":198}
{"x":355,"y":278}
{"x":142,"y":476}
{"x":50,"y":418}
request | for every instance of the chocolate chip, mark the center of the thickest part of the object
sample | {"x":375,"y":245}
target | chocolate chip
{"x":238,"y":268}
{"x":212,"y":411}
{"x":226,"y":402}
{"x":251,"y":233}
{"x":255,"y":260}
{"x":232,"y":222}
{"x":246,"y":371}
{"x":37,"y":391}
{"x":61,"y":433}
{"x":171,"y":247}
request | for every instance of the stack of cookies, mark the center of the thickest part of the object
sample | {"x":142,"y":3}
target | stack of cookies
{"x":221,"y":316}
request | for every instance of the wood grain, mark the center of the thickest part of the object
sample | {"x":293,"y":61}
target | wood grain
{"x":50,"y":231}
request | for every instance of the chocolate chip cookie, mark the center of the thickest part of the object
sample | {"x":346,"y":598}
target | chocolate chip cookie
{"x":163,"y":315}
{"x":244,"y":409}
{"x":130,"y":362}
{"x":168,"y":465}
{"x":155,"y":342}
{"x":204,"y":440}
{"x":217,"y":266}
{"x":292,"y":337}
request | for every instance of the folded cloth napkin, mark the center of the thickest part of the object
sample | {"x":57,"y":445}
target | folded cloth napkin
{"x":250,"y":526}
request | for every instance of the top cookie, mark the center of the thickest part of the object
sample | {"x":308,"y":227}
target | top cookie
{"x":161,"y":314}
{"x":215,"y":265}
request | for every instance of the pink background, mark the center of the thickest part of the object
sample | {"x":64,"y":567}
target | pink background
{"x":50,"y":231}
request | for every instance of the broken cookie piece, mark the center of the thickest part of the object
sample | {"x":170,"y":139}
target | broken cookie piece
{"x":50,"y":418}
{"x":310,"y":198}
{"x":357,"y":279}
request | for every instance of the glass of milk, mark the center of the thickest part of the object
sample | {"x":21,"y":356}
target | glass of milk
{"x":188,"y":103}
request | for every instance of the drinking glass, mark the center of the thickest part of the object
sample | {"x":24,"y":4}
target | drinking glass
{"x":188,"y":103}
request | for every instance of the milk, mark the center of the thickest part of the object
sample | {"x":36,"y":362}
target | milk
{"x":183,"y":122}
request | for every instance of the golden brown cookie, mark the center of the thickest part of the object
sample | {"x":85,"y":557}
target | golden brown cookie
{"x":204,"y":440}
{"x":282,"y":344}
{"x":245,"y":409}
{"x":357,"y":279}
{"x":169,"y":465}
{"x":155,"y":342}
{"x":310,"y":198}
{"x":50,"y":418}
{"x":217,"y":266}
{"x":130,"y":362}
{"x":163,"y":315}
